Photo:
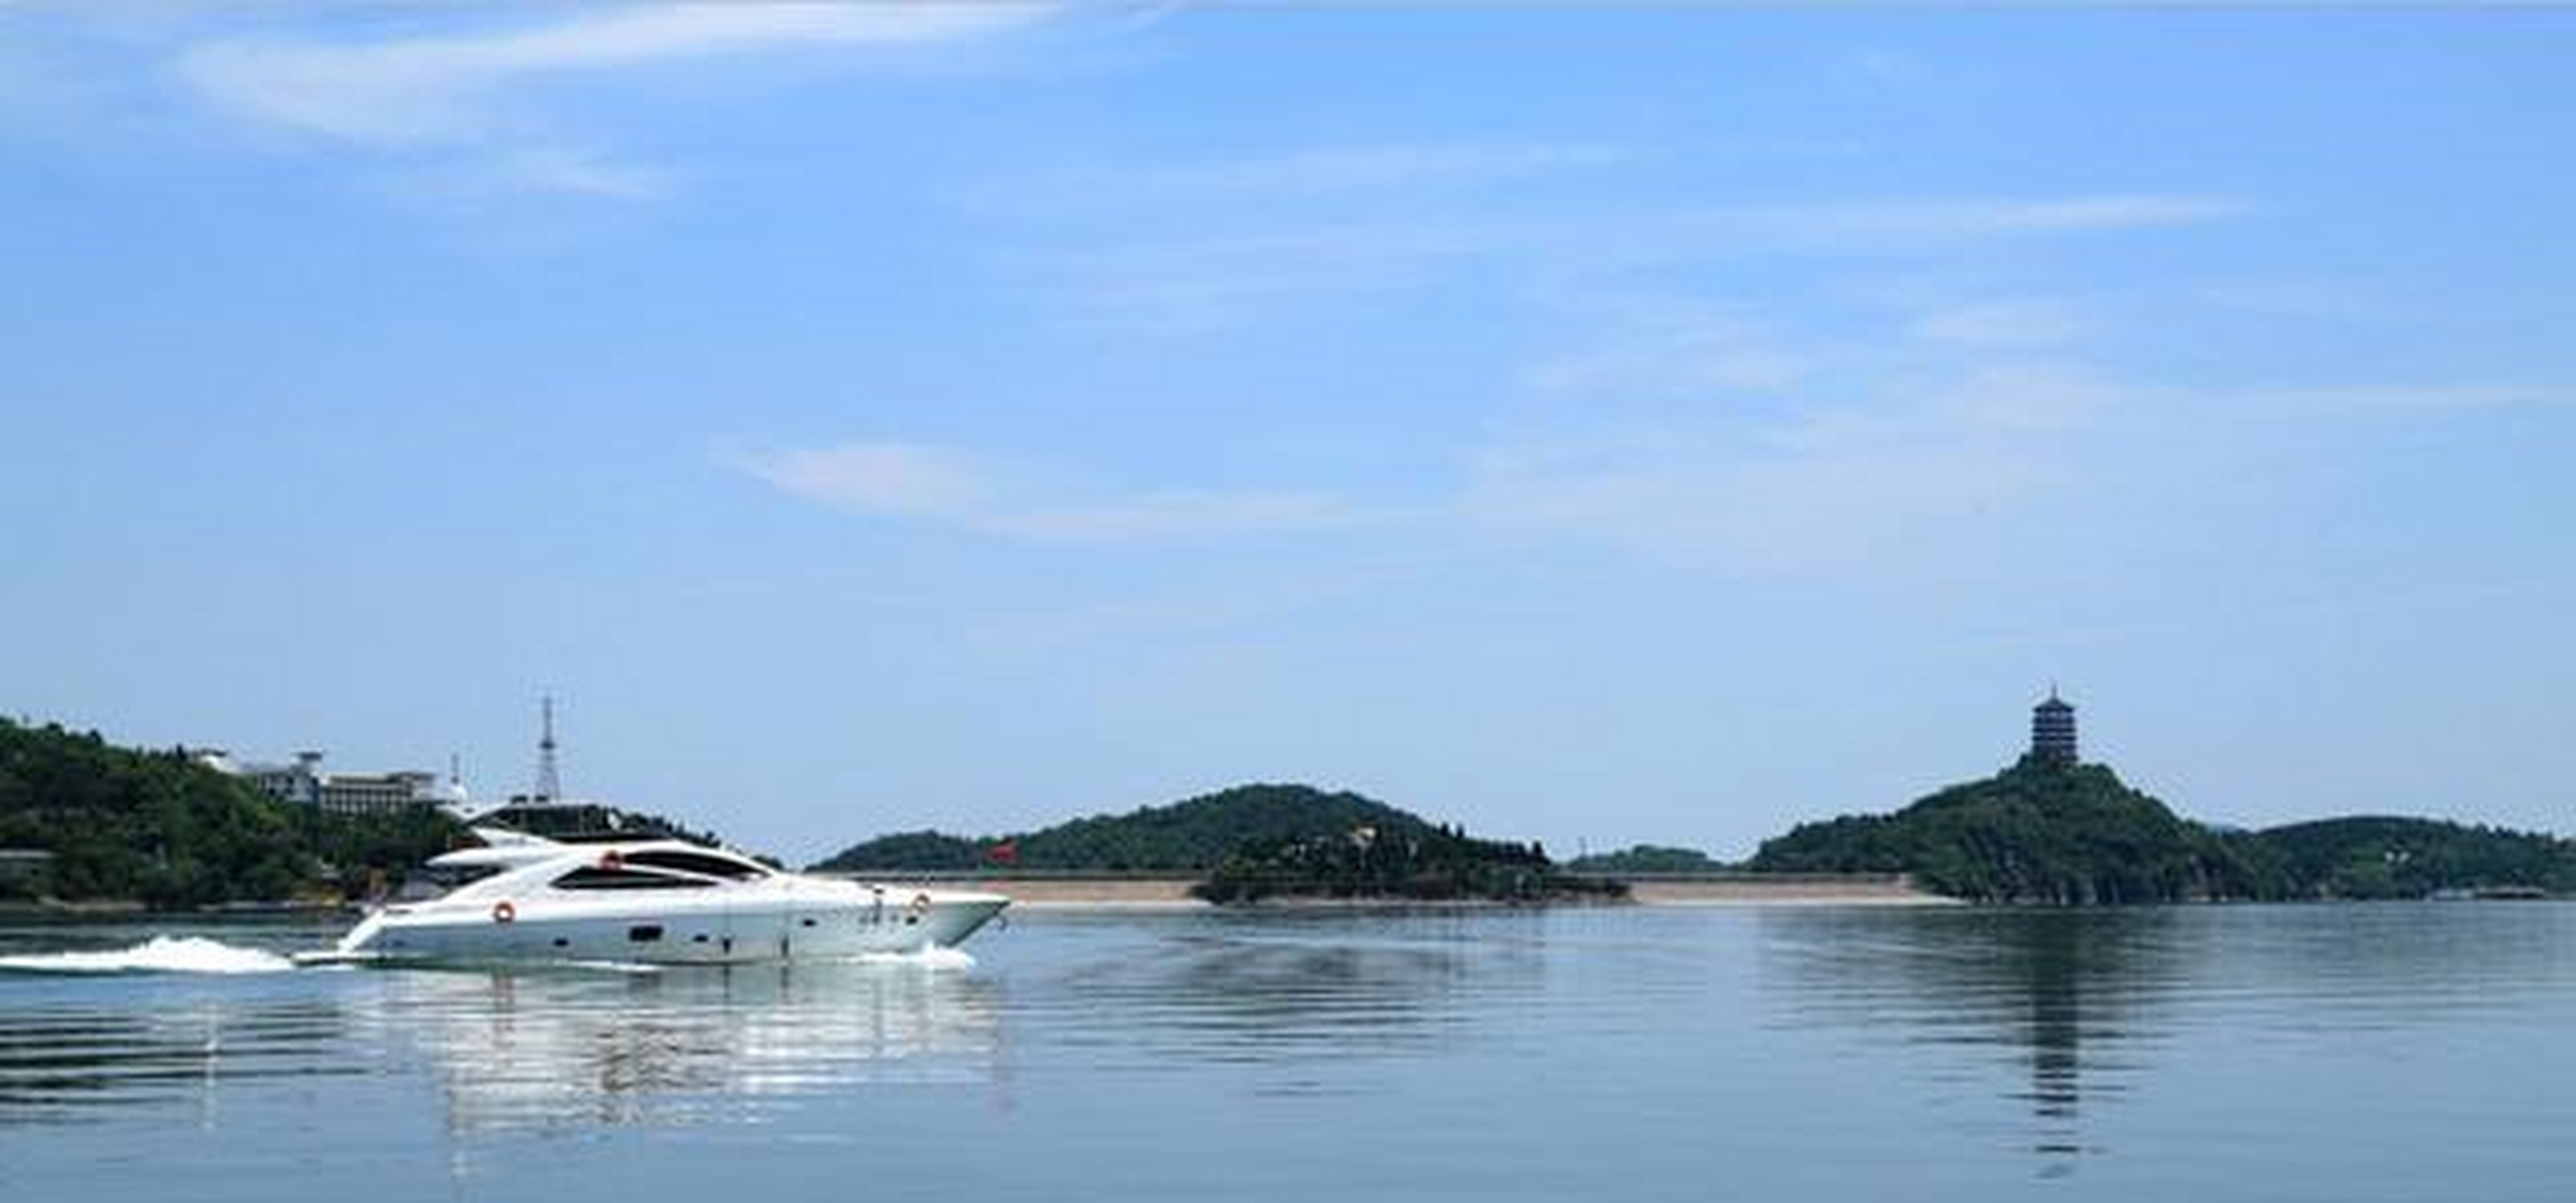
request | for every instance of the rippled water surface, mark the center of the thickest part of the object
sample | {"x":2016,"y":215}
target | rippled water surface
{"x":2332,"y":1053}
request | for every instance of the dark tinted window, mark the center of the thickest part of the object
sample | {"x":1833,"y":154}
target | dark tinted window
{"x":592,"y":877}
{"x":697,"y":862}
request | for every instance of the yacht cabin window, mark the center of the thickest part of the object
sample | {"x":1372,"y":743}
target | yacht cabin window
{"x":707,"y":864}
{"x":597,"y":877}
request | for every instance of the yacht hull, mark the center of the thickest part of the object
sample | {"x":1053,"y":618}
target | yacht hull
{"x":783,"y":926}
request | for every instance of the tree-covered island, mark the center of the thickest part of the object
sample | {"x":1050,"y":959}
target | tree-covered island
{"x":1252,"y":843}
{"x":2049,"y":832}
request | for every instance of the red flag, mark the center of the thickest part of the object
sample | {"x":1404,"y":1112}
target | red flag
{"x":1005,"y":853}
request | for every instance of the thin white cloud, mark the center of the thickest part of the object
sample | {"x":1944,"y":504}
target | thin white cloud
{"x":1874,"y":71}
{"x":2275,"y":297}
{"x":2025,"y":322}
{"x":1897,"y":226}
{"x":1367,"y":171}
{"x":897,"y":479}
{"x":2365,"y":399}
{"x":1194,"y":284}
{"x":1223,"y":263}
{"x":1746,"y":512}
{"x":1817,"y":488}
{"x":1659,"y":345}
{"x":1919,"y":468}
{"x":1916,"y":470}
{"x":425,"y":92}
{"x":1181,"y":514}
{"x":1370,"y":167}
{"x":1986,"y":217}
{"x":951,"y":487}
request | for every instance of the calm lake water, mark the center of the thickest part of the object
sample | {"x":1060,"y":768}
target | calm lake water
{"x":2401,"y":1052}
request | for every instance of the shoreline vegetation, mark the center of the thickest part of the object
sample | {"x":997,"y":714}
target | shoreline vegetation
{"x":119,"y":830}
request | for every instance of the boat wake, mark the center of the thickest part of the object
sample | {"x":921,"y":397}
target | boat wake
{"x":934,"y":957}
{"x":160,"y":954}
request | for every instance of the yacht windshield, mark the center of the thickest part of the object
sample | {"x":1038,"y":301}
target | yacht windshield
{"x":707,"y":864}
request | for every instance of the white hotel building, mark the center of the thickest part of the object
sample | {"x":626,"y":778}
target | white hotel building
{"x":303,"y":781}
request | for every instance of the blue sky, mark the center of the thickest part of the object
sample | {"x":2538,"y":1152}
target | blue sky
{"x":1593,"y":426}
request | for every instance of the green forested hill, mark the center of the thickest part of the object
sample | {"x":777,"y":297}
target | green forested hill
{"x":2387,"y":857}
{"x":2075,"y":834}
{"x":2036,"y":832}
{"x":159,"y":828}
{"x":1192,"y":835}
{"x":1253,"y":842}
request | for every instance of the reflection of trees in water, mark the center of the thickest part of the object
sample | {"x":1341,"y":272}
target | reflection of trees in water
{"x":557,"y":1048}
{"x":2071,"y":995}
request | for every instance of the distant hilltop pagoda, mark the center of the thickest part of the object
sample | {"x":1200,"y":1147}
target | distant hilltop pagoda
{"x":2052,"y":731}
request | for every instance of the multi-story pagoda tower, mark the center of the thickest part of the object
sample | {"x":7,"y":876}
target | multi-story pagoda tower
{"x":2052,"y":731}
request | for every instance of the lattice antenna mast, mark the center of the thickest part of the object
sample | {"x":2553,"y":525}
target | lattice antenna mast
{"x":549,"y":781}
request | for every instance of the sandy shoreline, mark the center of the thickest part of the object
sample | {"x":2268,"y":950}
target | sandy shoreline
{"x":1169,"y":892}
{"x":1039,"y":893}
{"x":1800,"y":891}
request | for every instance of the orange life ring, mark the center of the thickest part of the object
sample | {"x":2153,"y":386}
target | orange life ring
{"x":611,"y":861}
{"x":503,"y":912}
{"x":920,"y":904}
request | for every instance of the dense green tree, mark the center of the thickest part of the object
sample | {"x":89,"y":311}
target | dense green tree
{"x":1414,"y":862}
{"x":1646,"y":858}
{"x":1191,"y":835}
{"x":162,"y":829}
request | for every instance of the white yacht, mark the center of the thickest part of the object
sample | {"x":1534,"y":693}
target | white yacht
{"x":652,"y":900}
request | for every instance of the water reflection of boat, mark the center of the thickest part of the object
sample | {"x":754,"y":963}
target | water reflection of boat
{"x":552,"y":1050}
{"x":654,"y":901}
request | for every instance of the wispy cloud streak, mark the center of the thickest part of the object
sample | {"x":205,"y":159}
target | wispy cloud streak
{"x":453,"y":91}
{"x":950,"y":487}
{"x":1198,"y":278}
